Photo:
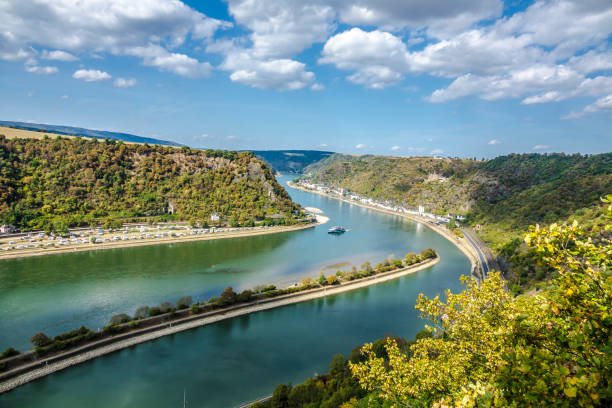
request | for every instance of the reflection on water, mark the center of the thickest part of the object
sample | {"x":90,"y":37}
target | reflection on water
{"x":237,"y":360}
{"x":61,"y":292}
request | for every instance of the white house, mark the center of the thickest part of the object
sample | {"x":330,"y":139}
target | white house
{"x":214,"y":217}
{"x":7,"y":229}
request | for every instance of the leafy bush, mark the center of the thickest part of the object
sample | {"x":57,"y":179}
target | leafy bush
{"x":119,"y":318}
{"x":428,"y":253}
{"x":322,"y":279}
{"x":141,"y":312}
{"x":245,"y":296}
{"x":228,"y":297}
{"x":333,"y":280}
{"x":9,"y":352}
{"x":40,"y":340}
{"x":166,"y":307}
{"x":154,"y":311}
{"x":184,"y":302}
{"x":74,"y":333}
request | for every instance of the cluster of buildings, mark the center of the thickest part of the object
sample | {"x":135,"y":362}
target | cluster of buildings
{"x":385,"y":205}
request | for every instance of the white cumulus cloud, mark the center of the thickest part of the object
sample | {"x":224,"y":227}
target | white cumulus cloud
{"x":360,"y":146}
{"x":113,"y":26}
{"x":395,"y":148}
{"x":91,"y":75}
{"x":36,"y":69}
{"x":58,"y":55}
{"x":494,"y":142}
{"x":124,"y":82}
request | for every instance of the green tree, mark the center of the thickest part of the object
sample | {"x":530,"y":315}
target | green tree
{"x":492,"y":349}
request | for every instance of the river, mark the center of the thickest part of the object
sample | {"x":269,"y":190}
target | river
{"x":230,"y":362}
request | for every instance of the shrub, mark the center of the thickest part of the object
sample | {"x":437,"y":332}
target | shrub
{"x":74,"y":333}
{"x":112,"y":328}
{"x":245,"y":296}
{"x":332,"y":280}
{"x":397,"y":263}
{"x":428,"y":253}
{"x":9,"y":352}
{"x":141,"y":312}
{"x":40,"y":340}
{"x":133,"y":323}
{"x":195,"y":308}
{"x":119,"y":318}
{"x":184,"y":302}
{"x":166,"y":307}
{"x":322,"y":279}
{"x":411,"y":258}
{"x":228,"y":297}
{"x":214,"y":301}
{"x":154,"y":311}
{"x":308,"y":283}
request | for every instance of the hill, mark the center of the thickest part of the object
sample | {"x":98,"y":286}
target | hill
{"x":291,"y":161}
{"x":503,"y":195}
{"x":61,"y":182}
{"x":76,"y":131}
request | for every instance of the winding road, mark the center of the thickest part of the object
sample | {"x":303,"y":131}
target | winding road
{"x":483,"y":260}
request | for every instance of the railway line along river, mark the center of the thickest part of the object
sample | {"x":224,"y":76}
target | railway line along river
{"x":229,"y":362}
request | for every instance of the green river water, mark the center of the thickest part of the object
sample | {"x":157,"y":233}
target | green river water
{"x":230,"y":362}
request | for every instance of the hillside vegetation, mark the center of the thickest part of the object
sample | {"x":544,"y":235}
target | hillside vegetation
{"x":57,"y":183}
{"x":484,"y":347}
{"x":504,"y":195}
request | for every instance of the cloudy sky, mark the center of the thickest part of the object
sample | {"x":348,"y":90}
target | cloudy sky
{"x":403,"y":77}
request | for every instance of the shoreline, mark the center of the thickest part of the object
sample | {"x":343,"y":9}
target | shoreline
{"x":41,"y":368}
{"x":160,"y":241}
{"x":460,"y":243}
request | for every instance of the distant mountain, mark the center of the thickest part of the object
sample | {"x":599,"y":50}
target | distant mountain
{"x":291,"y":161}
{"x":76,"y":131}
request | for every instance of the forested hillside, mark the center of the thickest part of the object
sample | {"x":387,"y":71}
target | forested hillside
{"x":56,"y":183}
{"x":504,"y":195}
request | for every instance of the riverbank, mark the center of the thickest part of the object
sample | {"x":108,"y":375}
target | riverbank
{"x":248,"y":232}
{"x":43,"y":367}
{"x":460,"y":243}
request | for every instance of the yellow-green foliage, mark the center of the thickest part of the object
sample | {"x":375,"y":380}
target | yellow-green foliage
{"x":56,"y":183}
{"x":492,"y":349}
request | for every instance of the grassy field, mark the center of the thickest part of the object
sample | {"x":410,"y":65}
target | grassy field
{"x":12,"y":133}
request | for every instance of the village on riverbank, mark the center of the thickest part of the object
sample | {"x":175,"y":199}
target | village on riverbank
{"x":451,"y":227}
{"x":21,"y":245}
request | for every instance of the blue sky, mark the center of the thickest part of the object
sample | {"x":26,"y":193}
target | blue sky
{"x":469,"y":78}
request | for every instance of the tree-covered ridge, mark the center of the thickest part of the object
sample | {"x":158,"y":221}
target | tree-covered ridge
{"x":56,"y":183}
{"x":504,"y":195}
{"x":489,"y":191}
